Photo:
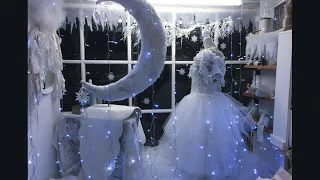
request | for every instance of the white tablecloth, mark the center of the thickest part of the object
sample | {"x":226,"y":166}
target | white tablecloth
{"x":103,"y":142}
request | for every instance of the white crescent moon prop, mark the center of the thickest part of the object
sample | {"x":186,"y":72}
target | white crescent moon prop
{"x":151,"y":58}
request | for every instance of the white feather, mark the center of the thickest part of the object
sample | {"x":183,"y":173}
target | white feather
{"x":46,"y":15}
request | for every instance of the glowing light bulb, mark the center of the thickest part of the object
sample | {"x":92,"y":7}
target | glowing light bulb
{"x":213,"y":173}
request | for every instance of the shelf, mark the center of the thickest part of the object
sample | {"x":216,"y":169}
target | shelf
{"x":260,"y":66}
{"x":256,"y":97}
{"x":268,"y":130}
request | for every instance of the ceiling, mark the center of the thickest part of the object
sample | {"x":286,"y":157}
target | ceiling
{"x":247,"y":4}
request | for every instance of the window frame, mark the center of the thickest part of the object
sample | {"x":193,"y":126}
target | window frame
{"x":82,"y":61}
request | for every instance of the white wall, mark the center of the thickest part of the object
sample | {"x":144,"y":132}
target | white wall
{"x":268,"y":77}
{"x":48,"y":114}
{"x":272,"y":4}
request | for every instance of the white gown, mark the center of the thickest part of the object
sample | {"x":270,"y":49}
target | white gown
{"x":203,"y":138}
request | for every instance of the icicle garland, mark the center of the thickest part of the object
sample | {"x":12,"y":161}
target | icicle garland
{"x":264,"y":44}
{"x":218,"y":29}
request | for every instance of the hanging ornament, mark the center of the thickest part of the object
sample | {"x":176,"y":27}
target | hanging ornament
{"x":82,"y":96}
{"x":223,"y":46}
{"x":194,"y":38}
{"x":146,"y":101}
{"x":111,"y":76}
{"x":182,"y":71}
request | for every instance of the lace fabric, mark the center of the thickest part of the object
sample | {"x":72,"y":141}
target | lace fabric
{"x":208,"y":71}
{"x":67,"y":142}
{"x":44,"y":56}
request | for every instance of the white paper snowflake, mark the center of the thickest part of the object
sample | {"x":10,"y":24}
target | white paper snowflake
{"x":223,"y":46}
{"x":189,"y":75}
{"x":146,"y":101}
{"x":182,"y":71}
{"x":194,"y":38}
{"x":111,"y":76}
{"x":82,"y":96}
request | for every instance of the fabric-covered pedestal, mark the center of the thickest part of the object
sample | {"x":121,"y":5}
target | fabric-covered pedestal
{"x":104,"y":142}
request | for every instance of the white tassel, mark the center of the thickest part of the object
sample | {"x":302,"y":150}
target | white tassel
{"x":46,"y":14}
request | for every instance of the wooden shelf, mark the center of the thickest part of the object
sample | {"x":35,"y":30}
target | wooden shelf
{"x":260,"y":67}
{"x":268,"y":130}
{"x":256,"y":97}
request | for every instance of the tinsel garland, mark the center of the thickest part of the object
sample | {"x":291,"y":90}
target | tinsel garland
{"x":218,"y":29}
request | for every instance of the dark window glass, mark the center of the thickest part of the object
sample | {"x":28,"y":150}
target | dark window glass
{"x":104,"y":43}
{"x":70,"y":44}
{"x":161,"y":99}
{"x":103,"y":74}
{"x":72,"y":75}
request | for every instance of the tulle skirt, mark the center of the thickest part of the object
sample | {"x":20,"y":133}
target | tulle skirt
{"x":203,"y":139}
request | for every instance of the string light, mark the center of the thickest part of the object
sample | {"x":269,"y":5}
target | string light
{"x":120,"y":20}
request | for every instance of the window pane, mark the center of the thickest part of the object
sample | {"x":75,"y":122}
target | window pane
{"x":183,"y":82}
{"x":136,"y":50}
{"x":100,"y":75}
{"x":72,"y":75}
{"x":102,"y":43}
{"x":238,"y":44}
{"x":162,"y":93}
{"x":237,"y":79}
{"x":70,"y":44}
{"x":136,"y":46}
{"x":146,"y":121}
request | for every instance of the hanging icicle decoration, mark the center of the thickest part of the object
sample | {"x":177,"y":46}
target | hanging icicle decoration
{"x":219,"y":29}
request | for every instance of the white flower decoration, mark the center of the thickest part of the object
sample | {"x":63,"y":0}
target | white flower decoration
{"x":146,"y":101}
{"x":82,"y":96}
